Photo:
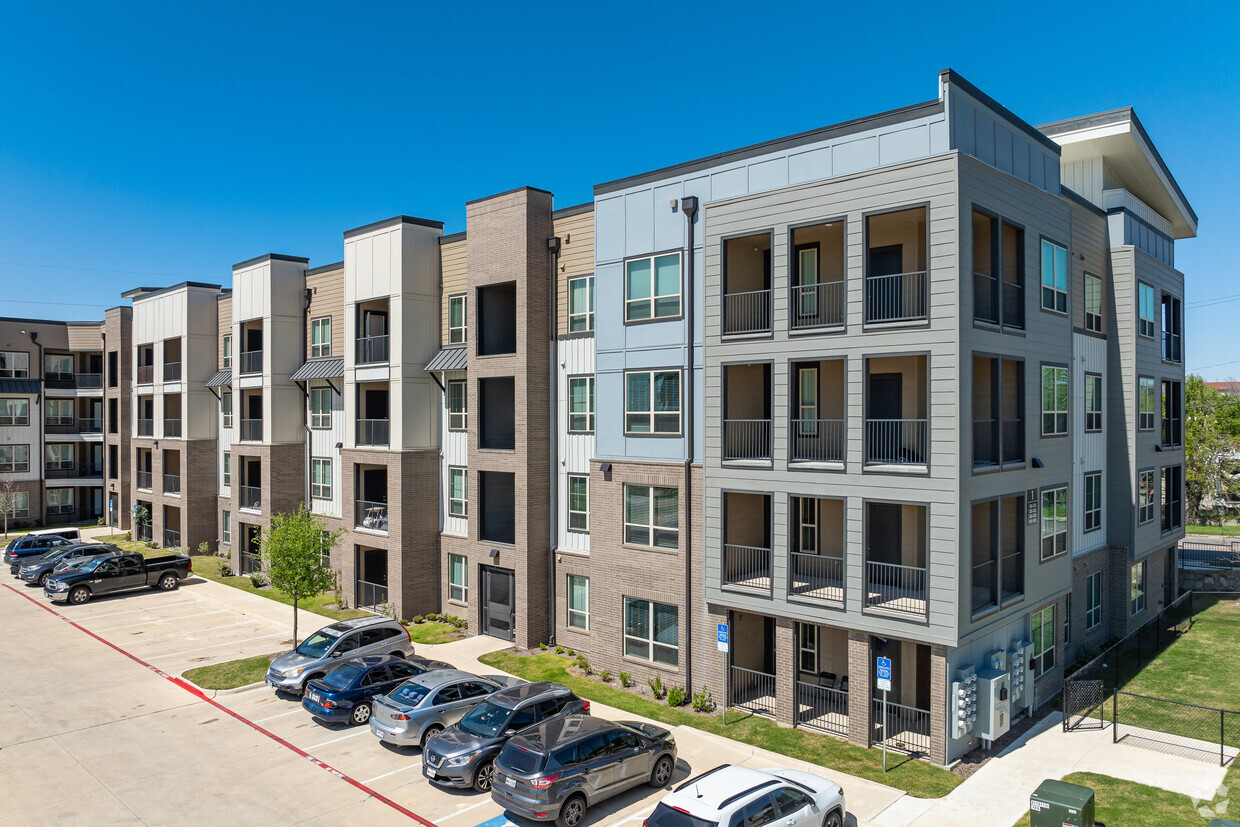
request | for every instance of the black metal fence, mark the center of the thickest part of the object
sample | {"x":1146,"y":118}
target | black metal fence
{"x":1194,"y":556}
{"x":1176,"y":727}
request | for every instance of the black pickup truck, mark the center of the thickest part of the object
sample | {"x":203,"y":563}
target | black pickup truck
{"x":105,"y":575}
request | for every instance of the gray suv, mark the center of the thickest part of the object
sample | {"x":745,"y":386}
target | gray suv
{"x":463,"y":754}
{"x":419,"y":709}
{"x":322,"y":651}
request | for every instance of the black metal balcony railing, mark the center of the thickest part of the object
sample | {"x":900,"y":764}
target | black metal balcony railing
{"x":146,"y":374}
{"x":172,"y":428}
{"x":905,"y":728}
{"x":816,"y":576}
{"x":746,"y":439}
{"x":143,"y":480}
{"x":249,"y":562}
{"x":61,"y":510}
{"x":751,"y":690}
{"x":91,"y":426}
{"x":987,"y":452}
{"x":895,"y":441}
{"x":59,"y":420}
{"x":88,"y":381}
{"x":1171,"y":346}
{"x":373,"y":431}
{"x":172,"y":371}
{"x":172,"y":483}
{"x":370,"y":514}
{"x":146,"y":427}
{"x":172,"y":538}
{"x":747,"y":312}
{"x":822,"y":707}
{"x":1013,"y":305}
{"x":985,"y":298}
{"x":372,"y":350}
{"x":747,"y":567}
{"x":251,"y":430}
{"x":56,"y":377}
{"x":817,"y":305}
{"x":895,"y":587}
{"x":895,"y":298}
{"x":371,"y":595}
{"x":251,"y":362}
{"x":818,"y":440}
{"x":250,"y":496}
{"x":144,"y":533}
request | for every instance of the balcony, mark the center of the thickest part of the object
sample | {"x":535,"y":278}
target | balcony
{"x":251,"y":362}
{"x":817,"y":305}
{"x":370,"y":514}
{"x":172,"y":483}
{"x":143,"y":533}
{"x":895,"y":567}
{"x":172,"y":538}
{"x":998,"y":443}
{"x":998,"y":272}
{"x":93,"y":425}
{"x":895,"y":441}
{"x":747,"y":285}
{"x":747,"y":567}
{"x":896,"y":267}
{"x":817,"y":440}
{"x":251,"y":430}
{"x":896,"y":588}
{"x":172,"y":428}
{"x":818,"y":297}
{"x":746,"y":439}
{"x":172,"y":371}
{"x":88,"y":381}
{"x":896,"y":423}
{"x":144,"y":480}
{"x":64,"y":510}
{"x":372,"y":350}
{"x":146,"y":427}
{"x":900,"y":297}
{"x":250,"y":497}
{"x":146,"y":374}
{"x":747,"y":312}
{"x":373,"y":432}
{"x":998,"y":410}
{"x":371,"y":595}
{"x":746,"y":413}
{"x":823,"y":707}
{"x":816,"y":577}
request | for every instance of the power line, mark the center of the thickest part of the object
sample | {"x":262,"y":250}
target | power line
{"x":1218,"y":365}
{"x":58,"y":304}
{"x":92,"y":269}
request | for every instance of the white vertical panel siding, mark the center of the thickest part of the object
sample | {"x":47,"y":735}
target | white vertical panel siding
{"x":225,"y":445}
{"x":1090,"y":449}
{"x":575,"y":357}
{"x":323,"y":442}
{"x":455,"y":454}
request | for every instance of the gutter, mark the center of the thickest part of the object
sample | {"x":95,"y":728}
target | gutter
{"x":553,"y":247}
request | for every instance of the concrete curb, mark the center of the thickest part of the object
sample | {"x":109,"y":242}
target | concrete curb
{"x":215,"y":693}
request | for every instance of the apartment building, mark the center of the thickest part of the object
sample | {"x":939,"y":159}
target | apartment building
{"x":117,"y":345}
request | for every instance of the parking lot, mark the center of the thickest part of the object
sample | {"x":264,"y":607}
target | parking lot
{"x":94,"y":722}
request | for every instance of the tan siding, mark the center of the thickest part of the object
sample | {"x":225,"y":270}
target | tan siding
{"x":576,"y":233}
{"x":224,"y":323}
{"x":327,"y":299}
{"x":452,"y":265}
{"x":85,"y":337}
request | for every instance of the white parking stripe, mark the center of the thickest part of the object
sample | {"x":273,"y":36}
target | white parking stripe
{"x":159,"y":620}
{"x":412,"y":766}
{"x":216,"y":646}
{"x":183,"y":633}
{"x":634,"y":817}
{"x":364,"y":731}
{"x":86,"y":618}
{"x":467,"y":809}
{"x":281,"y":715}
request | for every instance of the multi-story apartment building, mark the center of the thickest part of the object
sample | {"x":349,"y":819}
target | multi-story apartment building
{"x":118,"y":379}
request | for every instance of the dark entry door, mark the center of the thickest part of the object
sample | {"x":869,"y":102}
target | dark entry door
{"x":882,"y":531}
{"x":499,"y":602}
{"x":885,"y":392}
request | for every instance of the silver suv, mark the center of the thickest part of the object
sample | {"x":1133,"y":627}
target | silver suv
{"x":322,"y":651}
{"x":732,"y":796}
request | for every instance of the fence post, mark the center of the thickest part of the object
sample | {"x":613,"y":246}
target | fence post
{"x":1221,"y":761}
{"x":1140,"y":660}
{"x":1115,"y":716}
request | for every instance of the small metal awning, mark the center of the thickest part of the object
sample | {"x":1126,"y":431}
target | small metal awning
{"x":332,"y":368}
{"x":450,"y":358}
{"x":19,"y":385}
{"x":222,"y":379}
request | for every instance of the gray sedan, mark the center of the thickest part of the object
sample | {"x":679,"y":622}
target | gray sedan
{"x":422,"y":707}
{"x":38,"y":569}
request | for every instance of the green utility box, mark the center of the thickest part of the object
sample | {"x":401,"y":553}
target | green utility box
{"x":1060,"y":804}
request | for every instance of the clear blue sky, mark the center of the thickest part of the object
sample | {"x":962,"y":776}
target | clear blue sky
{"x":151,"y":143}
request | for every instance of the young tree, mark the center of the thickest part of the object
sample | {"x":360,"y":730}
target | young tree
{"x":292,"y":552}
{"x":1211,"y":433}
{"x":8,"y":499}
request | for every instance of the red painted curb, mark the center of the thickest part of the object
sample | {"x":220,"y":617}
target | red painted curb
{"x":196,"y":692}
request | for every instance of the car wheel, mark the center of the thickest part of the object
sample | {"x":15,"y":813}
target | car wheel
{"x":833,"y":819}
{"x":361,"y":713}
{"x":482,"y":778}
{"x":572,"y":812}
{"x":400,"y":655}
{"x":431,"y":732}
{"x":168,"y":582}
{"x":43,"y":578}
{"x":662,"y":772}
{"x":79,"y":595}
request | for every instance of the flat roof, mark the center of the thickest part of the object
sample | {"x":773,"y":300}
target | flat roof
{"x":250,"y":262}
{"x":392,"y":222}
{"x":146,"y":292}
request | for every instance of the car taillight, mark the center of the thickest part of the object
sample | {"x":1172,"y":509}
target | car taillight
{"x":329,"y":704}
{"x":585,"y":706}
{"x":400,"y":716}
{"x":409,"y":635}
{"x":191,"y":565}
{"x":543,"y":783}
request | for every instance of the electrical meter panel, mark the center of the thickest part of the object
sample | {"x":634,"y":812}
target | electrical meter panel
{"x":1021,"y":668}
{"x":996,"y":660}
{"x":964,"y":702}
{"x":994,"y":703}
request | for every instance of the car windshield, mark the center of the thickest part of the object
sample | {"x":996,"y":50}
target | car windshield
{"x":409,"y":694}
{"x":522,"y":760}
{"x":665,"y":816}
{"x":486,"y":720}
{"x":342,"y":677}
{"x":92,"y":564}
{"x":316,"y":645}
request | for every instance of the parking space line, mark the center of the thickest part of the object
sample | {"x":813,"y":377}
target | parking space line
{"x":412,"y":766}
{"x":500,"y":820}
{"x":198,"y":693}
{"x":160,"y":620}
{"x":114,"y":614}
{"x":634,"y":817}
{"x":190,"y":632}
{"x":216,"y":646}
{"x":464,"y":810}
{"x":281,"y":715}
{"x":364,"y":731}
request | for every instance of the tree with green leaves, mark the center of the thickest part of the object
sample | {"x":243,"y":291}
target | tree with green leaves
{"x":1211,"y":434}
{"x":292,"y":550}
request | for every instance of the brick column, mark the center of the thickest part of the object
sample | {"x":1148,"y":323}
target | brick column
{"x":938,"y":704}
{"x":785,"y":671}
{"x":859,"y":690}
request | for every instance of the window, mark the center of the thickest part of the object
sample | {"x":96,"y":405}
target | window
{"x":1054,"y":277}
{"x":1067,"y":620}
{"x":1054,"y":522}
{"x":1093,"y":600}
{"x":14,"y":365}
{"x":1146,"y":396}
{"x":1043,"y":624}
{"x":650,"y":517}
{"x":14,"y":411}
{"x":1172,"y":421}
{"x":59,"y":412}
{"x":1172,"y":491}
{"x":321,"y":479}
{"x":456,"y":319}
{"x":578,"y":503}
{"x":1054,"y":401}
{"x":458,"y":578}
{"x":1172,"y":318}
{"x":581,"y":304}
{"x":320,"y":337}
{"x":320,"y":407}
{"x":227,"y":468}
{"x":59,"y":500}
{"x":17,"y":505}
{"x":1093,"y":402}
{"x":807,"y":529}
{"x":59,"y":457}
{"x":652,"y":287}
{"x":652,"y":402}
{"x":1146,"y":488}
{"x":226,"y":408}
{"x":998,"y":553}
{"x":226,"y":527}
{"x":1145,"y":311}
{"x":1093,"y":501}
{"x":14,"y":458}
{"x":651,"y":631}
{"x":58,"y":366}
{"x":578,"y":602}
{"x":807,"y":649}
{"x":807,"y":401}
{"x":581,"y":404}
{"x":325,"y":549}
{"x":1093,"y":303}
{"x":457,"y":501}
{"x":456,"y":405}
{"x":1136,"y":588}
{"x":227,"y":350}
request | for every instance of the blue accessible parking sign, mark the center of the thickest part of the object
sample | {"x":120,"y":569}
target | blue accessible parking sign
{"x":883,"y":684}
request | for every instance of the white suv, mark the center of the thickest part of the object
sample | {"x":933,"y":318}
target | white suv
{"x":731,"y":796}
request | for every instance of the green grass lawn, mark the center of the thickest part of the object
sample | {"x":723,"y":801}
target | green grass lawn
{"x":1214,"y":530}
{"x":916,"y":777}
{"x":430,"y":631}
{"x":1119,"y":803}
{"x":209,"y":567}
{"x":231,"y":674}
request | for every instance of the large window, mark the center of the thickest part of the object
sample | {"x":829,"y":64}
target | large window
{"x":581,"y":304}
{"x":1054,"y":277}
{"x":1093,"y":303}
{"x":14,"y":458}
{"x":581,"y":404}
{"x":1054,"y":401}
{"x":1093,"y":402}
{"x":456,"y":319}
{"x":1093,"y":501}
{"x":60,"y":500}
{"x":1043,"y":624}
{"x":1146,"y":320}
{"x":998,"y":553}
{"x":578,"y":602}
{"x":1172,"y":406}
{"x":58,"y":366}
{"x":651,"y":631}
{"x":458,"y":578}
{"x":59,"y":456}
{"x":578,"y":503}
{"x":458,"y":503}
{"x":652,"y":402}
{"x":1136,"y":588}
{"x":1172,"y":497}
{"x":807,"y":648}
{"x":227,"y":468}
{"x":1172,"y":318}
{"x":456,"y":405}
{"x":16,"y":506}
{"x":227,"y":348}
{"x":325,"y":549}
{"x":226,"y":408}
{"x":1147,"y":400}
{"x":14,"y":365}
{"x":652,"y":287}
{"x":226,"y":526}
{"x":320,"y":407}
{"x":1093,"y":600}
{"x":1054,"y":522}
{"x":14,"y":411}
{"x":321,"y":337}
{"x":998,"y":271}
{"x":650,"y":516}
{"x":1147,"y":489}
{"x":321,"y":479}
{"x":59,"y":412}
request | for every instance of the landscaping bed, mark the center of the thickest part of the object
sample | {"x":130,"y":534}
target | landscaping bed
{"x":230,"y":674}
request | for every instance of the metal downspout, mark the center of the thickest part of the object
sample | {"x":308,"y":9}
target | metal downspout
{"x":553,"y":247}
{"x":689,"y":206}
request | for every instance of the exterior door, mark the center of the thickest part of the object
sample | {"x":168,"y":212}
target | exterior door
{"x":499,"y":603}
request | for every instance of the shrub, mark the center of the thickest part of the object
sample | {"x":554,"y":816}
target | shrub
{"x":656,"y":687}
{"x":605,"y":676}
{"x":584,"y":663}
{"x":559,"y":650}
{"x":702,"y":701}
{"x":417,"y":618}
{"x":571,"y":653}
{"x":127,"y":536}
{"x":151,"y":544}
{"x":542,"y":646}
{"x":676,"y":696}
{"x":626,"y":679}
{"x":225,"y":570}
{"x":204,"y":547}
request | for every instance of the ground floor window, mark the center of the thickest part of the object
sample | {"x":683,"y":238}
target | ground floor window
{"x":321,"y":479}
{"x":457,"y":501}
{"x":1043,"y":640}
{"x":226,"y":527}
{"x":652,"y":631}
{"x":1093,"y":600}
{"x":458,"y":578}
{"x":1136,"y":588}
{"x":325,"y":549}
{"x":650,"y":516}
{"x":808,"y":649}
{"x":578,"y":602}
{"x":16,"y":505}
{"x":579,"y":503}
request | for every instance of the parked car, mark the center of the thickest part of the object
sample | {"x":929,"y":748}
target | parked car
{"x":321,"y":652}
{"x":463,"y":755}
{"x":346,"y":693}
{"x":38,"y":569}
{"x":33,"y":545}
{"x":557,"y":769}
{"x":107,"y":575}
{"x":731,"y":795}
{"x":419,"y":709}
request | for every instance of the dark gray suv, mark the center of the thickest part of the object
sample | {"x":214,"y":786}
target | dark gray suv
{"x":463,"y":755}
{"x":555,"y":770}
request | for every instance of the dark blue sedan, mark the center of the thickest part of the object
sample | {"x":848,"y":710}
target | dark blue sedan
{"x":344,"y":695}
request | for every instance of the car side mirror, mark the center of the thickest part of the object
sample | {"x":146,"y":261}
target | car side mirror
{"x":508,"y":733}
